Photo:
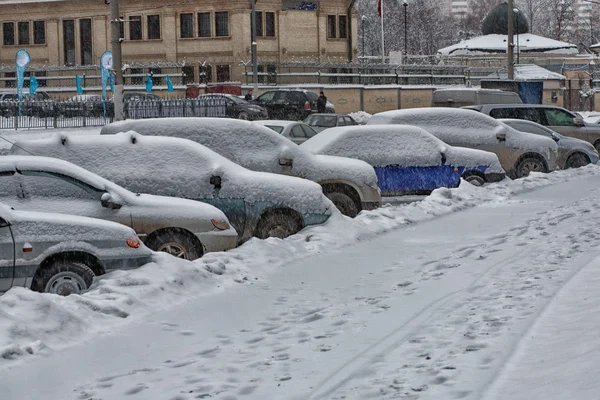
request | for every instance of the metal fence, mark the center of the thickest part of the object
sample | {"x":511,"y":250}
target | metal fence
{"x":75,"y":114}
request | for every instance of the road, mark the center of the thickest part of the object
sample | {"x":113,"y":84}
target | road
{"x":434,"y":310}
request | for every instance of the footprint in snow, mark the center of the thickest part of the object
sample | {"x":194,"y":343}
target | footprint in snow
{"x":136,"y":389}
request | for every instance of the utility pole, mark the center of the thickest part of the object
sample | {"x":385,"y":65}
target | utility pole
{"x":115,"y":41}
{"x":254,"y":55}
{"x":511,"y":46}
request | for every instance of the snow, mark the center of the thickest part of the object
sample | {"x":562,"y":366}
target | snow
{"x":524,"y":72}
{"x":403,"y":145}
{"x":528,"y":43}
{"x":252,"y":146}
{"x":187,"y":168}
{"x":428,"y":311}
{"x":361,"y":117}
{"x":8,"y":137}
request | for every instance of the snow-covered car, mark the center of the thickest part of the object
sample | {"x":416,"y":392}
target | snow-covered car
{"x":407,"y":159}
{"x":320,"y":122}
{"x":519,"y":152}
{"x":61,"y":254}
{"x":185,"y":229}
{"x":256,"y":203}
{"x":572,"y":153}
{"x":350,"y":184}
{"x":297,"y":132}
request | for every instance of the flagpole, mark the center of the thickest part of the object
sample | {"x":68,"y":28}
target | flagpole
{"x":382,"y":35}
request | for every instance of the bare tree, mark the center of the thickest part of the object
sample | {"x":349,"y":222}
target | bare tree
{"x":562,"y":18}
{"x":536,"y":11}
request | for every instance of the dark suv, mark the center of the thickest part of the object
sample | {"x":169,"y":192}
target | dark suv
{"x":292,"y":104}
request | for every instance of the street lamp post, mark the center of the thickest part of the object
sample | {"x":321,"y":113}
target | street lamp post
{"x":516,"y":10}
{"x":254,"y":55}
{"x":405,"y":5}
{"x":363,"y":20}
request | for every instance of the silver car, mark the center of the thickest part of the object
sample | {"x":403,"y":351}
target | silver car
{"x":320,"y":122}
{"x":297,"y":132}
{"x":184,"y":228}
{"x":572,"y":153}
{"x":61,"y":254}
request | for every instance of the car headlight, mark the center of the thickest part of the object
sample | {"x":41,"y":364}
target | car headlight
{"x":220,"y":224}
{"x":134,"y":243}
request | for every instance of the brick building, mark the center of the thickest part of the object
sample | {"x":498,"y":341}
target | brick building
{"x":206,"y":40}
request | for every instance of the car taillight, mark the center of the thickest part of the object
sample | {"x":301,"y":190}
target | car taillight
{"x":133,"y":243}
{"x":307,"y":105}
{"x":220,"y":224}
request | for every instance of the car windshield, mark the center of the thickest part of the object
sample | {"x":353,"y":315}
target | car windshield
{"x":276,"y":128}
{"x":321,"y":120}
{"x":236,"y":100}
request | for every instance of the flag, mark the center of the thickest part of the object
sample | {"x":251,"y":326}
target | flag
{"x":78,"y":84}
{"x":169,"y":84}
{"x":379,"y":7}
{"x":112,"y":83}
{"x":149,"y":83}
{"x":33,"y":84}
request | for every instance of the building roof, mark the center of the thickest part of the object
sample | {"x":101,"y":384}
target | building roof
{"x":528,"y":72}
{"x":528,"y":43}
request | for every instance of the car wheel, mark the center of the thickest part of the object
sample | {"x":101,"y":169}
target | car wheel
{"x":176,"y":243}
{"x":528,"y":165}
{"x":243,"y":115}
{"x":474,"y":179}
{"x":277,"y":224}
{"x":344,"y":203}
{"x":577,"y":160}
{"x":64,"y":278}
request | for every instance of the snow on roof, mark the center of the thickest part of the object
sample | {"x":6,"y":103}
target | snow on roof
{"x":528,"y":43}
{"x":528,"y":72}
{"x":275,"y":122}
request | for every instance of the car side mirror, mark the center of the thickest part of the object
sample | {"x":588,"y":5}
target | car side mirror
{"x":443,"y":158}
{"x":578,"y":122}
{"x":216,"y":181}
{"x":107,"y":202}
{"x":286,"y":162}
{"x":501,"y":137}
{"x":3,"y":223}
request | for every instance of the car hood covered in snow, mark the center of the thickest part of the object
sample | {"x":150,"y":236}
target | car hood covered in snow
{"x":250,"y":145}
{"x":176,"y":167}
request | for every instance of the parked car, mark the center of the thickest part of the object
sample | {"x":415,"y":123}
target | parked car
{"x":36,"y":105}
{"x":572,"y":153}
{"x":556,"y":118}
{"x":350,"y":184}
{"x":239,"y":108}
{"x":288,"y":104}
{"x":297,"y":132}
{"x":320,"y":122}
{"x":257,"y":204}
{"x":84,"y":105}
{"x":183,"y":228}
{"x":61,"y":254}
{"x":519,"y":152}
{"x":407,"y":159}
{"x":460,"y":97}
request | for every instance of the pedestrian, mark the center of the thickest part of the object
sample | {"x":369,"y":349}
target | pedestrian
{"x":248,"y":96}
{"x":322,"y":103}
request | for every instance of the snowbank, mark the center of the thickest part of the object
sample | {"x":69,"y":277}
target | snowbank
{"x":32,"y":323}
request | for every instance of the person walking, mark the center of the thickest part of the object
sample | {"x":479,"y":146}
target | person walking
{"x":248,"y":96}
{"x":322,"y":103}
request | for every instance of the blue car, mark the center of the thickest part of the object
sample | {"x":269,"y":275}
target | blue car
{"x":407,"y":159}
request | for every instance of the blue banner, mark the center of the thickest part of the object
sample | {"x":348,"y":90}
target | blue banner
{"x":106,"y":64}
{"x":112,"y":83}
{"x":78,"y":84}
{"x":169,"y":84}
{"x":149,"y":84}
{"x":33,"y":84}
{"x":22,"y":59}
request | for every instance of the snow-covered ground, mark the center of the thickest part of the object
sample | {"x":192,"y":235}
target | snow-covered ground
{"x":430,"y":300}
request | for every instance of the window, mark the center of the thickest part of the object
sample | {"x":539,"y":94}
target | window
{"x":270,"y":24}
{"x":205,"y":74}
{"x":557,"y":117}
{"x":297,"y":132}
{"x":11,"y":82}
{"x":122,"y":28}
{"x":268,"y":96}
{"x":259,"y":23}
{"x":343,"y":27}
{"x":186,"y":25}
{"x":69,"y":41}
{"x":204,"y":29}
{"x":223,"y":73}
{"x":38,"y":184}
{"x":137,"y":80}
{"x":8,"y":30}
{"x":331,"y":26}
{"x":188,"y":74}
{"x":39,"y":32}
{"x":156,"y":80}
{"x":310,"y":132}
{"x":135,"y":28}
{"x":222,"y":23}
{"x":153,"y":26}
{"x":23,"y":32}
{"x":85,"y":41}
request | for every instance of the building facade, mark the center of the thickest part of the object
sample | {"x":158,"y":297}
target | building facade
{"x":205,"y":40}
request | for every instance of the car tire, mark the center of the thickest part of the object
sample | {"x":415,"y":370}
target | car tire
{"x":529,"y":164}
{"x":577,"y":160}
{"x":474,"y":179}
{"x":64,"y":278}
{"x":344,"y":203}
{"x":177,"y":243}
{"x":243,"y":116}
{"x":277,"y":224}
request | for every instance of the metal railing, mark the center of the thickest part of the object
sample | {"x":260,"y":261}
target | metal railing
{"x":72,"y":114}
